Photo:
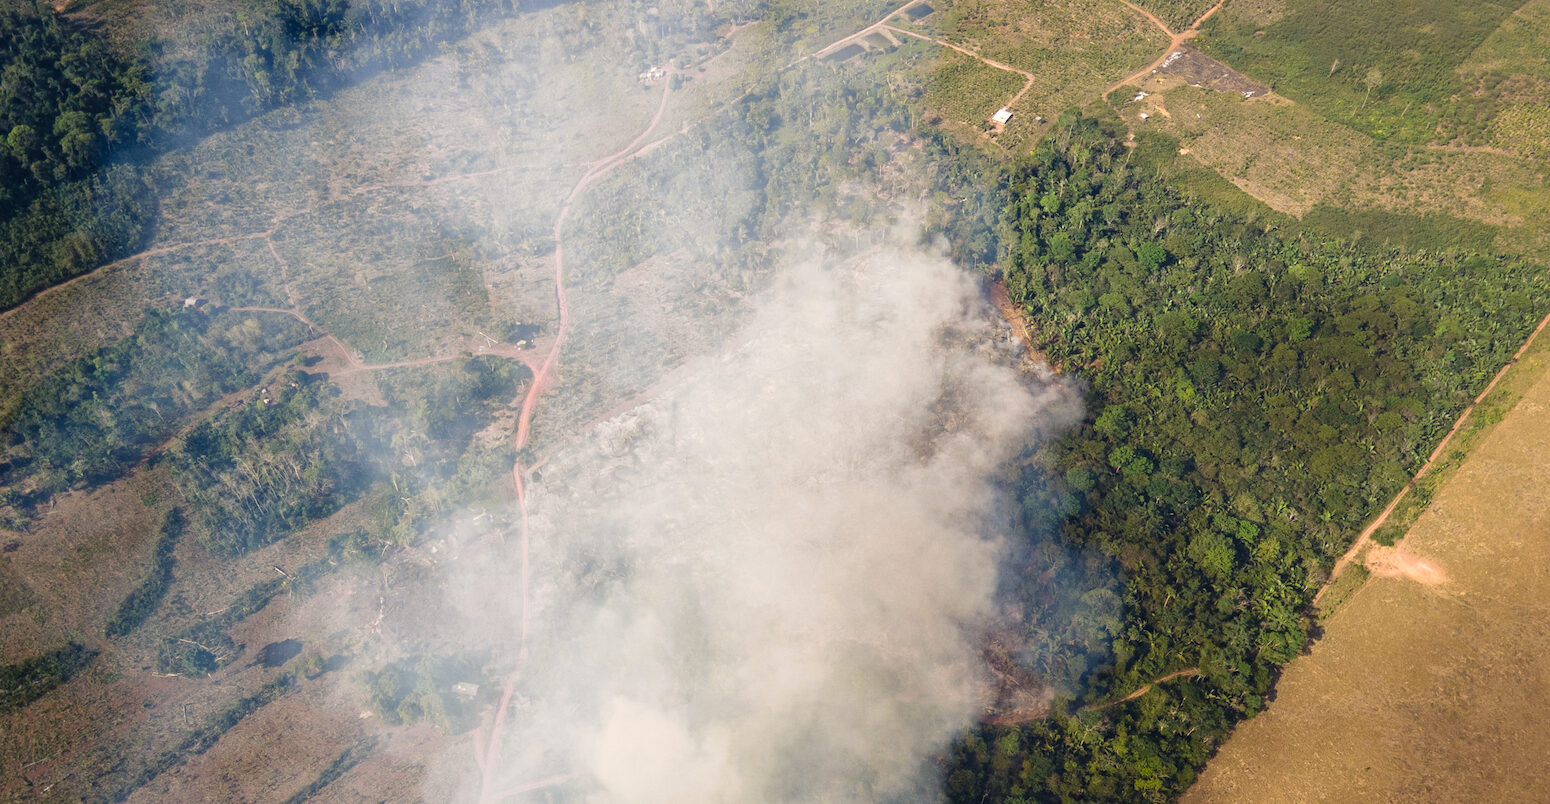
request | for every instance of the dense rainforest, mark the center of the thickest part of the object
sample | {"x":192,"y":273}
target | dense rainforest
{"x":1255,"y":397}
{"x":79,"y":115}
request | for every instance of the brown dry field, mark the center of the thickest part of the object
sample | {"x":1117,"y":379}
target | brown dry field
{"x":1429,"y":685}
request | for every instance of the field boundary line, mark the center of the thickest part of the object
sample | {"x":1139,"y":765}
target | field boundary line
{"x":1365,"y":538}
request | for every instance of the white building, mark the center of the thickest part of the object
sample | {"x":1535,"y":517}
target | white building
{"x":1000,"y":118}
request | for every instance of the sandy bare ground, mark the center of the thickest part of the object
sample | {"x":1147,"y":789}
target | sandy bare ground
{"x":1432,"y":680}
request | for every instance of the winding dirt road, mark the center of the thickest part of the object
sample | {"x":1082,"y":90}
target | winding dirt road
{"x":1175,"y":39}
{"x":491,"y":752}
{"x":1027,"y":76}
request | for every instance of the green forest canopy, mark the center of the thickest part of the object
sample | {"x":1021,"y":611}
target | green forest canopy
{"x":1255,"y":398}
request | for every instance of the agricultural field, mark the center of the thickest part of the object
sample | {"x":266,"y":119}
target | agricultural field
{"x":1416,"y":128}
{"x":1429,"y":680}
{"x":1390,"y":71}
{"x":1072,"y":49}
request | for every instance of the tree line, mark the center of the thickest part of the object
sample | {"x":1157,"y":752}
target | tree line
{"x":1255,"y":397}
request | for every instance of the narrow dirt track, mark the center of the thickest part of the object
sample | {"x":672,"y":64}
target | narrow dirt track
{"x":1175,"y":39}
{"x":355,"y":365}
{"x":487,"y":763}
{"x":266,"y":235}
{"x":882,"y":27}
{"x":168,"y":249}
{"x":1027,"y":76}
{"x":1143,"y":689}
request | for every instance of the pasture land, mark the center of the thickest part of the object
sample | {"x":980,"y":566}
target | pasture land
{"x":1389,"y":70}
{"x":1074,"y":49}
{"x":1430,"y":681}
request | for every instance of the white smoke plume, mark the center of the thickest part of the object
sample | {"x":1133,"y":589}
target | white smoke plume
{"x":768,"y":583}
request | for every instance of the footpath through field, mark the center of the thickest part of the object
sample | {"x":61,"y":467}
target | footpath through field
{"x":1365,"y":539}
{"x":1175,"y":40}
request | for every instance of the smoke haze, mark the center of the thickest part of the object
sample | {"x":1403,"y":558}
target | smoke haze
{"x":768,"y":498}
{"x":767,"y":583}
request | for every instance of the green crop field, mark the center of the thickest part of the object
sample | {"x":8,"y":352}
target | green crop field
{"x":1389,"y":70}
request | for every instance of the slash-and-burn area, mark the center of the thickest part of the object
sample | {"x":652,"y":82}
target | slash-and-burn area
{"x":798,"y":545}
{"x":768,"y":489}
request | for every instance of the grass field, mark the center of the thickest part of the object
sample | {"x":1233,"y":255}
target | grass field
{"x":1386,"y":69}
{"x":1075,"y":49}
{"x":1422,"y":125}
{"x":1297,"y":161}
{"x":1427,"y":691}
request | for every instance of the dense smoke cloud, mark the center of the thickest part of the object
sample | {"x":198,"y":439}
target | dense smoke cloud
{"x":768,"y":582}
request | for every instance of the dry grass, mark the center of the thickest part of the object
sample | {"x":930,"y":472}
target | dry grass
{"x":1275,"y":150}
{"x":1427,"y":692}
{"x":1468,"y":184}
{"x":1075,"y":49}
{"x":89,"y":551}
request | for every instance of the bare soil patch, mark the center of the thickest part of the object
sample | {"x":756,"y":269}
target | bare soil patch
{"x":1197,"y":69}
{"x":1397,"y":562}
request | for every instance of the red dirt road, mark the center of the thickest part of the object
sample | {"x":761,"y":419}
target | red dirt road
{"x":491,"y":753}
{"x":1176,"y":39}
